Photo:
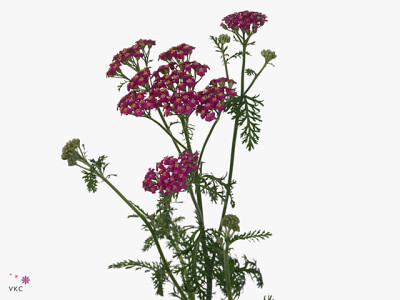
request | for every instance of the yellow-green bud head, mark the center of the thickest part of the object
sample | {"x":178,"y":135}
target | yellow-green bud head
{"x":70,"y":153}
{"x":231,"y":222}
{"x":224,"y":39}
{"x":268,"y":55}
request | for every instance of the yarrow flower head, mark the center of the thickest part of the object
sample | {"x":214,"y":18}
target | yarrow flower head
{"x":140,"y":79}
{"x":179,"y":52}
{"x":171,"y":174}
{"x":249,"y":21}
{"x":231,"y":222}
{"x":212,"y":98}
{"x":137,"y":51}
{"x":136,"y":103}
{"x":172,"y":87}
{"x":70,"y":153}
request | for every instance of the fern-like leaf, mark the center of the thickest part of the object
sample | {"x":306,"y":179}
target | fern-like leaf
{"x":252,"y":236}
{"x":90,"y":179}
{"x":249,"y":120}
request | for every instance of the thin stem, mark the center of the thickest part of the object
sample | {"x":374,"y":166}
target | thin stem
{"x":199,"y":208}
{"x":174,"y":140}
{"x":233,"y":148}
{"x":235,"y":131}
{"x":229,"y":186}
{"x":207,"y":138}
{"x":185,"y":126}
{"x":227,"y":272}
{"x":254,"y":79}
{"x":224,"y":59}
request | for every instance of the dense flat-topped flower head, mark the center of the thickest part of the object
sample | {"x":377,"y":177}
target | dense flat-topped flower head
{"x":249,"y":21}
{"x":178,"y":53}
{"x":140,"y":79}
{"x":136,"y":51}
{"x":143,"y":43}
{"x":136,"y":103}
{"x":171,"y":174}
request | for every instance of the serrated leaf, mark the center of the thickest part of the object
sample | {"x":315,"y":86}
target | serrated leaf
{"x":253,"y":236}
{"x":250,"y":72}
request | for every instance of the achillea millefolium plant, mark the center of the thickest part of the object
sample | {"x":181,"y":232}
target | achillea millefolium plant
{"x":202,"y":259}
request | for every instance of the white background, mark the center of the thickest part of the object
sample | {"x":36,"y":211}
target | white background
{"x":324,"y":178}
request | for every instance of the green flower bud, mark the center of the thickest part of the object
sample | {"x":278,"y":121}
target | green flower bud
{"x":268,"y":55}
{"x":70,"y":153}
{"x":224,"y":39}
{"x":231,"y":222}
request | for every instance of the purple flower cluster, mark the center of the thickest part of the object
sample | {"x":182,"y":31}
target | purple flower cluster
{"x":122,"y":56}
{"x":249,"y":21}
{"x":172,"y":85}
{"x":140,"y":79}
{"x":178,"y":52}
{"x":135,"y":103}
{"x":171,"y":174}
{"x":212,"y":97}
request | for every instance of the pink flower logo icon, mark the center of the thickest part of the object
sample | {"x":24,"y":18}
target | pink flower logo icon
{"x":25,"y":280}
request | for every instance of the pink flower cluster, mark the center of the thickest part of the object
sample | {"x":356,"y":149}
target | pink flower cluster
{"x":172,"y":88}
{"x":212,"y":97}
{"x":249,"y":21}
{"x":178,"y":52}
{"x":135,"y":51}
{"x":141,"y":78}
{"x":171,"y":174}
{"x":178,"y":77}
{"x":135,"y":103}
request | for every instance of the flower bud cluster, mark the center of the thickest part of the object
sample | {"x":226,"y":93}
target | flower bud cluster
{"x":137,"y":51}
{"x":231,"y":222}
{"x":224,"y":38}
{"x":268,"y":55}
{"x":69,"y":151}
{"x":249,"y":21}
{"x":171,"y":174}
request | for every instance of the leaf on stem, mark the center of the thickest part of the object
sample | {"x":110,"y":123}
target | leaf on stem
{"x":252,"y":236}
{"x":249,"y":121}
{"x":250,"y":72}
{"x":158,"y":270}
{"x":90,"y":179}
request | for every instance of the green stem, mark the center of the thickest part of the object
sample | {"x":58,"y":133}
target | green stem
{"x":207,"y":138}
{"x":148,"y":225}
{"x":233,"y":149}
{"x":227,"y":272}
{"x":174,"y":140}
{"x":225,"y":62}
{"x":235,"y":132}
{"x":229,"y":186}
{"x":254,"y":79}
{"x":199,"y":207}
{"x":185,"y":126}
